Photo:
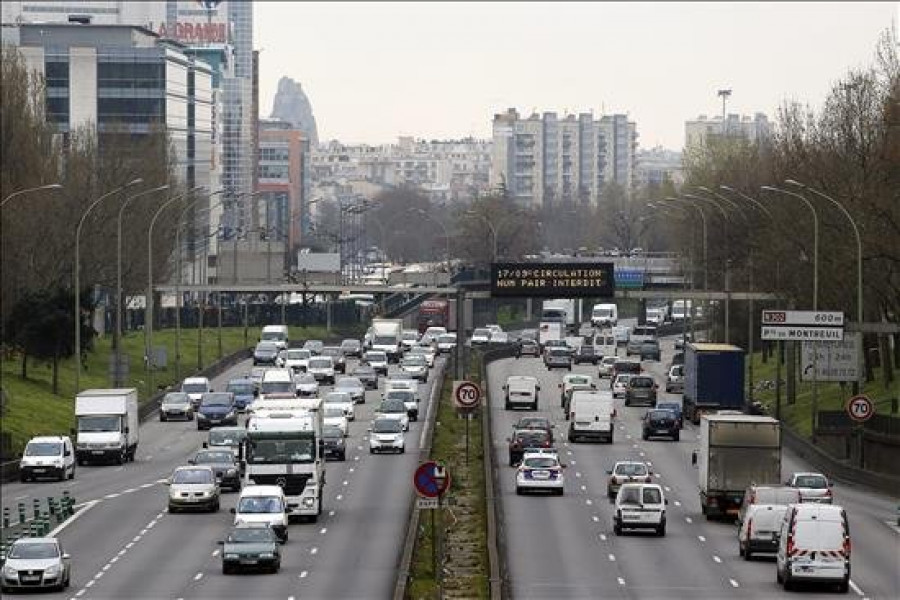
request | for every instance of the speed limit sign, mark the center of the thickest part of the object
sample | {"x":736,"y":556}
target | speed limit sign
{"x":860,"y":408}
{"x":466,"y":394}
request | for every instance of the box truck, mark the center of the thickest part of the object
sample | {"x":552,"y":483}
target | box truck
{"x":387,"y":337}
{"x":107,"y":425}
{"x":713,"y":379}
{"x":563,"y":311}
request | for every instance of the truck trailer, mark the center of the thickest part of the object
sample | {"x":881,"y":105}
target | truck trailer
{"x":713,"y":379}
{"x":108,"y":428}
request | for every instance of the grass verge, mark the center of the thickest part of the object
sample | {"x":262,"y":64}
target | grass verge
{"x":464,"y":522}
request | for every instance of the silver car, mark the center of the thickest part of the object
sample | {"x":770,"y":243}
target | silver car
{"x":36,"y":563}
{"x":814,"y":487}
{"x":352,"y":386}
{"x":194,"y":487}
{"x":176,"y":405}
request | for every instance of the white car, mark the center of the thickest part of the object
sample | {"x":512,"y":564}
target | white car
{"x":813,"y":487}
{"x":344,"y":400}
{"x":195,"y":387}
{"x":352,"y":386}
{"x":393,"y":408}
{"x":627,"y":471}
{"x":620,"y":385}
{"x":378,"y":360}
{"x":431,"y":335}
{"x":494,"y":328}
{"x":296,"y":359}
{"x":414,"y":366}
{"x":409,"y":338}
{"x":446,"y":342}
{"x":335,"y":417}
{"x":540,"y":471}
{"x":322,"y":368}
{"x":408,"y":397}
{"x":306,"y":384}
{"x":48,"y":456}
{"x":481,"y":337}
{"x":427,"y":352}
{"x":606,"y":366}
{"x":640,"y":506}
{"x":386,"y":435}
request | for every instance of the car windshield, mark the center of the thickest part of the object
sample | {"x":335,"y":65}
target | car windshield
{"x":243,"y":388}
{"x":280,"y":451}
{"x":194,"y":388}
{"x":392,"y":406}
{"x":332,"y":432}
{"x":622,"y":379}
{"x":331,"y":351}
{"x":350,"y":344}
{"x":256,"y":505}
{"x":93,"y":423}
{"x":631,"y":469}
{"x":666,"y":406}
{"x":276,"y":387}
{"x":193,"y":476}
{"x":251,"y":535}
{"x":226,"y":437}
{"x":641,"y":382}
{"x":609,"y":361}
{"x":333,"y":411}
{"x":402,"y":395}
{"x":257,"y":373}
{"x":386,"y":426}
{"x":651,"y":495}
{"x":214,"y":457}
{"x":447,"y":339}
{"x":586,"y":349}
{"x":348,"y":382}
{"x":43,"y":449}
{"x":540,"y":462}
{"x":266,"y":347}
{"x":176,"y":398}
{"x":531,"y":437}
{"x":414,"y":361}
{"x":660,"y":414}
{"x":273,"y":336}
{"x":33,"y":550}
{"x":481,"y":333}
{"x":410,"y":335}
{"x":532,"y":423}
{"x":337,"y":398}
{"x":559,"y":352}
{"x":297,"y":354}
{"x":630,"y":495}
{"x":216,"y":400}
{"x":320,"y":363}
{"x":811,"y":481}
{"x":376,"y":357}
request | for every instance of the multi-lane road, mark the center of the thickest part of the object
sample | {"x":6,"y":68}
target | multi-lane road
{"x":564,"y":547}
{"x":125,"y":544}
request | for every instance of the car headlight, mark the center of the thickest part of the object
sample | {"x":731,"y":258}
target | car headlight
{"x":10,"y":571}
{"x":51,"y":571}
{"x":114,"y":445}
{"x":231,"y":472}
{"x":231,"y":413}
{"x":200,"y":415}
{"x":308,"y":502}
{"x":231,"y":556}
{"x":267,"y":555}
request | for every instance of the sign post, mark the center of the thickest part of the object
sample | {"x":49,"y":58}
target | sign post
{"x":860,"y":408}
{"x":432,"y":480}
{"x":467,"y":397}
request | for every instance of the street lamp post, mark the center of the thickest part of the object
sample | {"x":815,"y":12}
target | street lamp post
{"x":117,"y":332}
{"x":77,"y":273}
{"x":493,"y":231}
{"x":49,"y":186}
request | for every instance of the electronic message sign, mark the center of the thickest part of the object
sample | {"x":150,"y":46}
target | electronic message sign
{"x":553,"y":280}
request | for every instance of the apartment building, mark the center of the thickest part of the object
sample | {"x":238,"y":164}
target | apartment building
{"x":753,"y":129}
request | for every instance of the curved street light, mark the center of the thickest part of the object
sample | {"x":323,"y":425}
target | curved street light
{"x":49,"y":186}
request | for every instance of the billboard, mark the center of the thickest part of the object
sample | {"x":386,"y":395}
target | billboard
{"x":198,"y":23}
{"x":837,"y":360}
{"x":556,"y":280}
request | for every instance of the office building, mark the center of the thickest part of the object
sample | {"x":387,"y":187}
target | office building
{"x":753,"y":129}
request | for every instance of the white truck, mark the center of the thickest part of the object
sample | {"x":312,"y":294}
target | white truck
{"x":591,"y":413}
{"x":283,"y":448}
{"x":387,"y":336}
{"x":604,"y":315}
{"x":735,"y":451}
{"x":562,"y":310}
{"x":549,"y":330}
{"x":107,"y":425}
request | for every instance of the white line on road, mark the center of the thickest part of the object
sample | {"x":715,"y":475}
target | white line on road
{"x":114,"y":560}
{"x":339,"y":497}
{"x":129,"y":490}
{"x":122,"y":552}
{"x":689,"y":520}
{"x":313,"y":550}
{"x":143,"y":531}
{"x":111,"y":496}
{"x":345,"y":482}
{"x":303,"y":575}
{"x":612,"y":558}
{"x":667,"y":488}
{"x":107,"y":566}
{"x":733,"y":583}
{"x":129,"y":545}
{"x":331,"y":513}
{"x":198,"y":576}
{"x":215,"y":553}
{"x":595,"y":518}
{"x":351,"y":469}
{"x":701,"y":538}
{"x":677,"y":503}
{"x":146,"y":485}
{"x":324,"y":529}
{"x":584,"y":488}
{"x":717,"y":559}
{"x":89,"y":584}
{"x":98,"y":575}
{"x":621,"y":581}
{"x":643,"y":455}
{"x":80,"y":593}
{"x":602,"y":537}
{"x":634,"y":445}
{"x":573,"y":461}
{"x":589,"y":502}
{"x":355,"y":458}
{"x":856,"y":589}
{"x":70,"y":520}
{"x":577,"y":473}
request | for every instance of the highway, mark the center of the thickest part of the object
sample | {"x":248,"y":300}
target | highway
{"x":564,"y":547}
{"x":125,"y":544}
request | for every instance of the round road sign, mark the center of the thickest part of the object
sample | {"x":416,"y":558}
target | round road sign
{"x":860,"y":408}
{"x":466,"y":394}
{"x":431,"y":480}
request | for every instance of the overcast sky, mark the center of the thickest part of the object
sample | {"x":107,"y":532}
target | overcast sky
{"x":373,"y":71}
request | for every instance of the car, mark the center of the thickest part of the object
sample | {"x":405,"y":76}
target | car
{"x":537,"y":423}
{"x":526,"y":439}
{"x":481,"y":337}
{"x":35,"y":563}
{"x":586,"y":354}
{"x":675,"y":407}
{"x":378,"y":360}
{"x":367,"y":375}
{"x":426,"y":352}
{"x":251,"y":546}
{"x":340,"y":361}
{"x":605,"y":368}
{"x":499,"y":337}
{"x":176,"y":405}
{"x":814,"y":546}
{"x":494,"y":328}
{"x":386,"y":435}
{"x":658,"y":422}
{"x":540,"y":472}
{"x":243,"y":391}
{"x":351,"y":347}
{"x":314,"y":346}
{"x":558,"y":344}
{"x":638,"y":336}
{"x":296,"y":359}
{"x":224,"y":463}
{"x":758,"y":531}
{"x":263,"y":505}
{"x":334,"y":416}
{"x":778,"y":495}
{"x":256,"y":376}
{"x":649,"y":350}
{"x":230,"y":437}
{"x":632,"y":367}
{"x":521,"y":391}
{"x":322,"y":368}
{"x":557,"y":357}
{"x":640,"y":506}
{"x":414,"y":366}
{"x":446,"y":342}
{"x":681,"y":340}
{"x":626,"y":471}
{"x":266,"y":353}
{"x":619,"y":384}
{"x":193,"y":488}
{"x":48,"y":456}
{"x":216,"y":408}
{"x":333,"y":444}
{"x":353,"y":386}
{"x":640,"y":389}
{"x":409,"y":338}
{"x":814,"y":487}
{"x":394,"y":408}
{"x":621,"y":333}
{"x":431,"y":335}
{"x":527,"y":347}
{"x":344,"y":400}
{"x":529,"y":334}
{"x":195,"y":387}
{"x":408,"y":397}
{"x":675,"y":379}
{"x":571,"y":381}
{"x":307,"y":385}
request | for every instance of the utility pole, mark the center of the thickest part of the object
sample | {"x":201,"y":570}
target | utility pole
{"x":725,"y":95}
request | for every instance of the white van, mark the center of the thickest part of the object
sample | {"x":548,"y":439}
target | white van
{"x":592,"y":415}
{"x":263,"y":504}
{"x":277,"y":383}
{"x":521,"y":391}
{"x":277,"y":334}
{"x":605,"y":315}
{"x":48,"y":456}
{"x":814,"y":546}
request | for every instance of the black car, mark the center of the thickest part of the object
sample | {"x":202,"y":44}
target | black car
{"x":536,"y":423}
{"x":340,"y":361}
{"x":251,"y":546}
{"x":367,"y":375}
{"x":333,"y":443}
{"x":352,"y":348}
{"x":216,"y":408}
{"x":529,"y":347}
{"x":586,"y":353}
{"x":662,"y":423}
{"x":526,"y":439}
{"x":224,"y":463}
{"x":265,"y":353}
{"x":649,"y":350}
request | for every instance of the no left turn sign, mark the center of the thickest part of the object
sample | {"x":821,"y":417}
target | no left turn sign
{"x":466,"y":394}
{"x":860,"y":408}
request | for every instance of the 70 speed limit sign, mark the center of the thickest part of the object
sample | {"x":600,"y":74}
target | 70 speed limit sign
{"x":466,"y":394}
{"x":860,"y":408}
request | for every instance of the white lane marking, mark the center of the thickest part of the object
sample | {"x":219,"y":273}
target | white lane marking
{"x":856,"y":589}
{"x":129,"y":491}
{"x":577,"y":473}
{"x":80,"y":593}
{"x":621,"y":581}
{"x":643,"y":455}
{"x":149,"y":457}
{"x":602,"y":537}
{"x":146,"y":485}
{"x":215,"y":553}
{"x":650,"y":464}
{"x":198,"y":576}
{"x":667,"y":488}
{"x":584,"y":488}
{"x":689,"y":520}
{"x":634,"y":445}
{"x":627,"y":436}
{"x":595,"y":518}
{"x":717,"y":559}
{"x":160,"y":481}
{"x":98,"y":575}
{"x":313,"y":550}
{"x":701,"y":538}
{"x":122,"y":552}
{"x":324,"y":529}
{"x":589,"y":502}
{"x":303,"y":575}
{"x":111,"y":496}
{"x":733,"y":583}
{"x":351,"y":469}
{"x":89,"y":584}
{"x":339,"y":497}
{"x":677,"y":503}
{"x":345,"y":482}
{"x":573,"y":460}
{"x":612,"y":558}
{"x":87,"y":506}
{"x":143,"y":531}
{"x":129,"y":545}
{"x":290,"y":598}
{"x":569,"y":453}
{"x":355,"y":458}
{"x":107,"y":566}
{"x":331,"y":513}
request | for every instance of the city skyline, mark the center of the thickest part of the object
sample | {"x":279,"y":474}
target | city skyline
{"x":374,"y":72}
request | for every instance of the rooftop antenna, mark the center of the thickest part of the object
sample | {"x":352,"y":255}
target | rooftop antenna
{"x":725,"y":95}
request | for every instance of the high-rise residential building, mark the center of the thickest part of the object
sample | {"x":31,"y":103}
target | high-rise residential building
{"x":658,"y":165}
{"x":754,"y":129}
{"x":544,"y":160}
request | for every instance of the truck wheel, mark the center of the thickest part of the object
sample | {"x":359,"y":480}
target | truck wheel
{"x":120,"y":458}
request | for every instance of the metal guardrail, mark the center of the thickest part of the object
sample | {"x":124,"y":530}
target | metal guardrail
{"x":838,"y":421}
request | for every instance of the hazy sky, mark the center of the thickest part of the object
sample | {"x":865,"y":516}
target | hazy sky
{"x":373,"y":71}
